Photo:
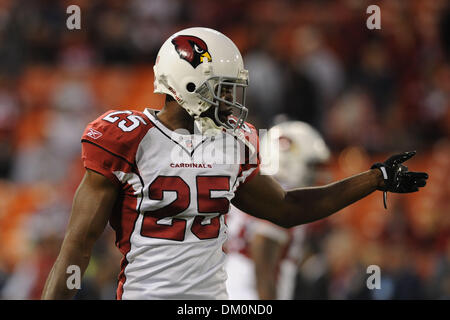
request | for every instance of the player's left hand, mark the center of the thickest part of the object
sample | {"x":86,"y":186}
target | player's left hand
{"x":397,"y":178}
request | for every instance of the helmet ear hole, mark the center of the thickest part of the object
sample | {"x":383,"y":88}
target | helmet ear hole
{"x":190,"y":87}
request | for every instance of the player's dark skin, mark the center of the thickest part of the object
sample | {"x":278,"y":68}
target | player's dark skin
{"x":262,"y":197}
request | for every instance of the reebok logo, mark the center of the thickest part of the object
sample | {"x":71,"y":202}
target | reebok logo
{"x":94,"y":134}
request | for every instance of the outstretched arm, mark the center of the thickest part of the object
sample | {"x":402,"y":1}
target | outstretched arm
{"x":264,"y":198}
{"x":92,"y":206}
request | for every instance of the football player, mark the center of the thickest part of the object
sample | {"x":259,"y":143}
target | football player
{"x":158,"y":178}
{"x":262,"y":258}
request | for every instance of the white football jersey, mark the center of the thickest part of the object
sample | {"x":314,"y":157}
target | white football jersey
{"x":174,"y":192}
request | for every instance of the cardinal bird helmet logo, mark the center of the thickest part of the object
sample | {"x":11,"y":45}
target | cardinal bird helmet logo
{"x":192,"y":49}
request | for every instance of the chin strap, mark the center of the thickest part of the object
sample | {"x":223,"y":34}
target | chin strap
{"x":385,"y":177}
{"x":385,"y":199}
{"x":239,"y":134}
{"x":382,"y":168}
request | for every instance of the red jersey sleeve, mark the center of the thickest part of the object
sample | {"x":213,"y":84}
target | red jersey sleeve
{"x":110,"y":142}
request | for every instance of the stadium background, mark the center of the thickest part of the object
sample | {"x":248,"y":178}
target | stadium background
{"x":370,"y":93}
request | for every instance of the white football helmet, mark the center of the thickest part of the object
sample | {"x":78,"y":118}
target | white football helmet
{"x":289,"y":150}
{"x":195,"y":66}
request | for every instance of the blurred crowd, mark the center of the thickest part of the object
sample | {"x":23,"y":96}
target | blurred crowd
{"x":369,"y":92}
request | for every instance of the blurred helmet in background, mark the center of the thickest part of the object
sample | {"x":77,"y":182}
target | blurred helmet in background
{"x":195,"y":66}
{"x":291,"y":151}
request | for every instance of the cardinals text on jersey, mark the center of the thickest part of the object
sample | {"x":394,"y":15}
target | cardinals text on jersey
{"x":169,"y":217}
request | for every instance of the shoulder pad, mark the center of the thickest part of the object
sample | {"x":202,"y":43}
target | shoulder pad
{"x":118,"y":131}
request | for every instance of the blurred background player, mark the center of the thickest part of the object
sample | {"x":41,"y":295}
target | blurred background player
{"x":263,"y":258}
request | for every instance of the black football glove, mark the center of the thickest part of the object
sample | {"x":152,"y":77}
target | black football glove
{"x":396,"y":176}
